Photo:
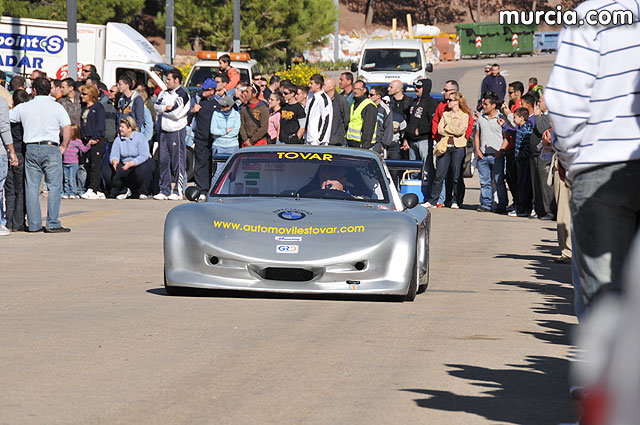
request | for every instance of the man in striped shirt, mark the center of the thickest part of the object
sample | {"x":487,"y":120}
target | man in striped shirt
{"x":593,"y":96}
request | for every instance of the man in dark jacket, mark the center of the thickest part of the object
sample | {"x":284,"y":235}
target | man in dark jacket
{"x":340,"y":120}
{"x":418,"y":139}
{"x":203,"y":111}
{"x":494,"y":82}
{"x":363,"y":119}
{"x":399,"y":102}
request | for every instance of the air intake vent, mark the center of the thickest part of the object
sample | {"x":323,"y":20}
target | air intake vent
{"x":287,"y":274}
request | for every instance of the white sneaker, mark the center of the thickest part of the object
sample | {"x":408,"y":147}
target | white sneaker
{"x":174,"y":197}
{"x":428,"y":205}
{"x":143,"y":196}
{"x":512,"y":214}
{"x":73,"y":196}
{"x":65,"y":196}
{"x":122,"y":196}
{"x":455,"y":206}
{"x":4,"y":231}
{"x":202,"y":198}
{"x":160,"y":197}
{"x":89,"y":194}
{"x":101,"y":195}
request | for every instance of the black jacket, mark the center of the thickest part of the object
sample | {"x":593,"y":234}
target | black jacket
{"x":402,"y":106}
{"x":202,"y":131}
{"x":340,"y":120}
{"x":420,"y":116}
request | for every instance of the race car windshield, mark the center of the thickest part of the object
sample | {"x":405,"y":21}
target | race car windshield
{"x":391,"y":60}
{"x":304,"y":174}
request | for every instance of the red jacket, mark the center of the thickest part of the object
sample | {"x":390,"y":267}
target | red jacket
{"x":234,"y":78}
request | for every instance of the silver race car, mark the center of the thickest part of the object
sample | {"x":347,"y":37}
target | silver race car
{"x":300,"y":219}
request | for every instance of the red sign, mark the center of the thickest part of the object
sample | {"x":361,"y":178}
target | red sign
{"x":478,"y":42}
{"x":514,"y":40}
{"x":63,"y":71}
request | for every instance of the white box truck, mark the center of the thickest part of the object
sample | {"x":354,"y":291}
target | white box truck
{"x":28,"y":44}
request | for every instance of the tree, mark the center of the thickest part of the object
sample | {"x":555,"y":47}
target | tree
{"x":270,"y":29}
{"x":89,"y":11}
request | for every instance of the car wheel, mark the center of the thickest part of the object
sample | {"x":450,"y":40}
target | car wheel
{"x":413,"y":284}
{"x":423,"y":285}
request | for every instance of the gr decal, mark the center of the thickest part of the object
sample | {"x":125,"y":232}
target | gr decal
{"x":287,"y":249}
{"x":305,"y":155}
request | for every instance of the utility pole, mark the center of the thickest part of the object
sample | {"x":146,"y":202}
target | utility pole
{"x":168,"y":30}
{"x":336,"y":29}
{"x":478,"y":13}
{"x":72,"y":39}
{"x":236,"y":26}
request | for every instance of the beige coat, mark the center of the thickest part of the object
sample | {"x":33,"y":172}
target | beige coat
{"x":454,"y":125}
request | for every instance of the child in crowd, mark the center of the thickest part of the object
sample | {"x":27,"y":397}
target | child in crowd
{"x":524,"y":194}
{"x":70,"y":163}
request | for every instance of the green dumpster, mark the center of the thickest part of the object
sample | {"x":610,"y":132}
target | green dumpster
{"x":495,"y":39}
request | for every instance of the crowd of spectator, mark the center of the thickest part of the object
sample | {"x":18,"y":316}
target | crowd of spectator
{"x":108,"y":135}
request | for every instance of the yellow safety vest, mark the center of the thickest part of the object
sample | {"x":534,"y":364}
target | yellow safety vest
{"x":354,"y":132}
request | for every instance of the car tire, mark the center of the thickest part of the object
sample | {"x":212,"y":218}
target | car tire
{"x":423,"y":286}
{"x":413,"y":284}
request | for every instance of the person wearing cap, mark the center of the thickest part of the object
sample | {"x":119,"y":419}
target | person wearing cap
{"x":494,"y":82}
{"x":225,"y":127}
{"x":417,"y":137}
{"x":202,"y":113}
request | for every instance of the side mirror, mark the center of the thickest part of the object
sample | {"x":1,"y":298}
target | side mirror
{"x":354,"y":67}
{"x":410,"y":200}
{"x":192,"y":193}
{"x":429,"y":67}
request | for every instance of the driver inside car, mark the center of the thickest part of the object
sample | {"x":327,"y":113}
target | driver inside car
{"x":333,"y":178}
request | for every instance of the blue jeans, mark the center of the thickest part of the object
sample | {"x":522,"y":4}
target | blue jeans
{"x":451,"y":158}
{"x":4,"y":169}
{"x":43,"y":160}
{"x":491,"y":170}
{"x":70,"y":173}
{"x":219,"y":166}
{"x":605,"y":213}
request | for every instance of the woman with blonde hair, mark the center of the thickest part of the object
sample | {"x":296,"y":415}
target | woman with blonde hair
{"x":132,"y":167}
{"x":451,"y":148}
{"x":92,"y":121}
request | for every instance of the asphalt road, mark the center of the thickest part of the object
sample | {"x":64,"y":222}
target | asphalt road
{"x":90,"y":337}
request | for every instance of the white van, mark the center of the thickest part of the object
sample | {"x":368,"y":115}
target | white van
{"x":385,"y":60}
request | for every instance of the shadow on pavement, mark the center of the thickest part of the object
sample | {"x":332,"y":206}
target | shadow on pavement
{"x":535,"y":392}
{"x":532,"y":393}
{"x":210,"y":293}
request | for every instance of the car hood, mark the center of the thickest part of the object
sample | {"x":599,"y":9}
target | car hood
{"x":310,"y":228}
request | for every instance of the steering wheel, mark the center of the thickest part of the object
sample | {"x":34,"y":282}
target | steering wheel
{"x":329,"y":193}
